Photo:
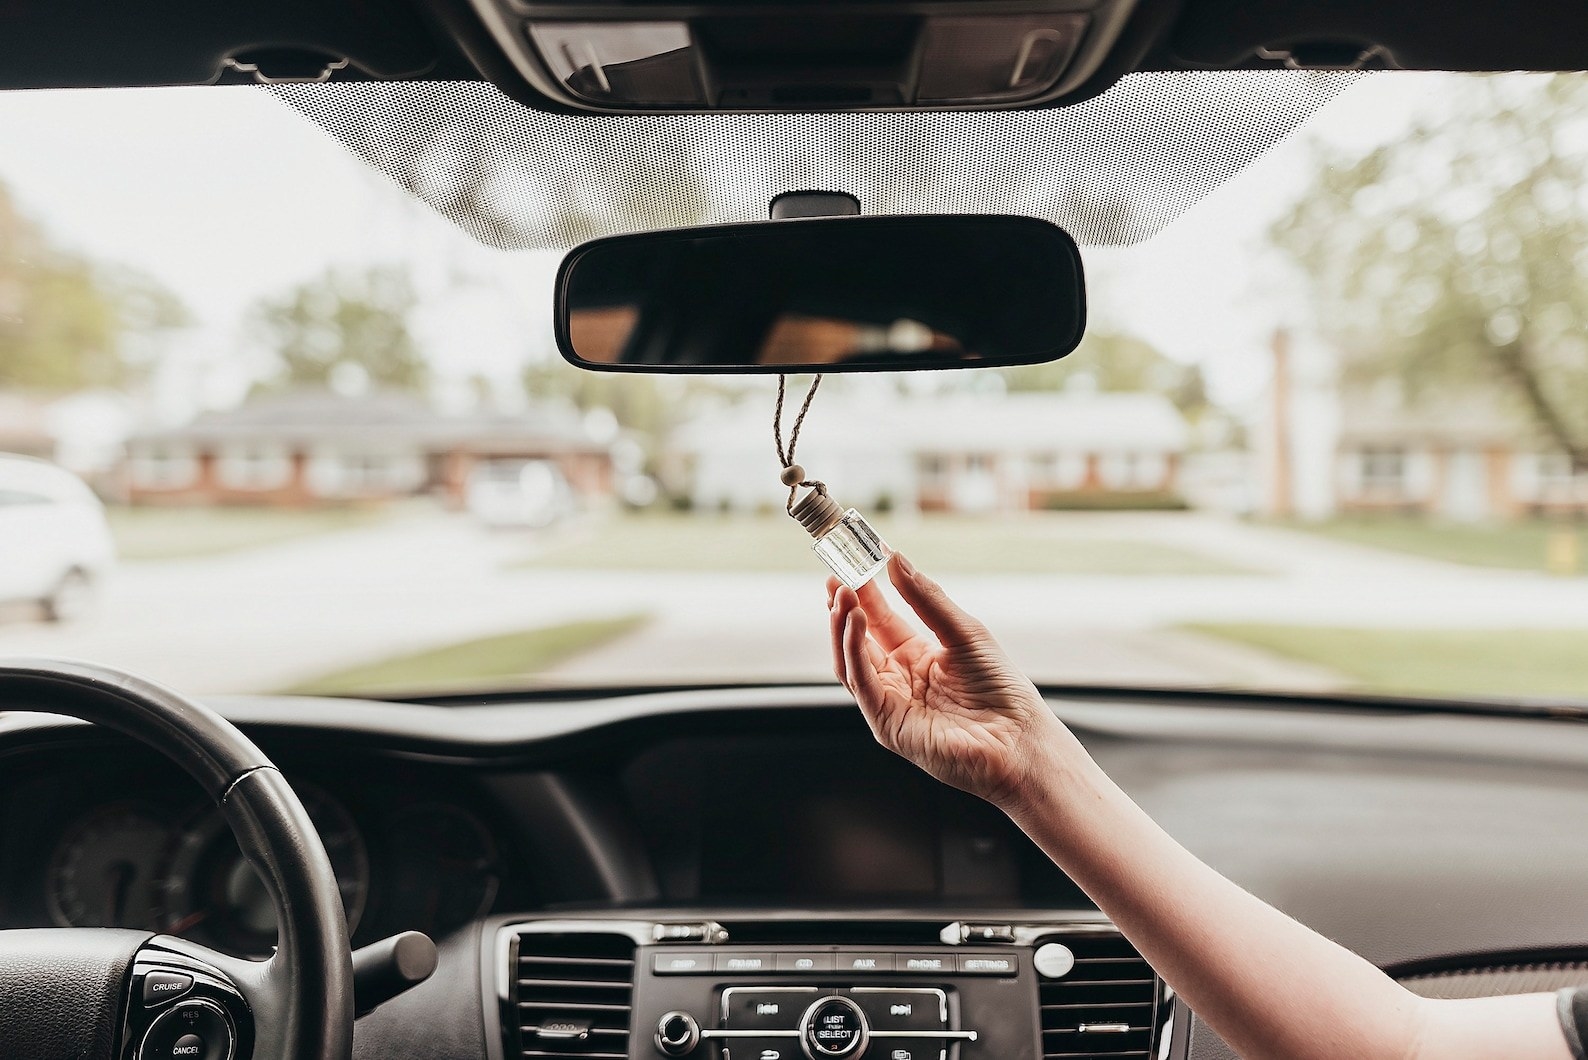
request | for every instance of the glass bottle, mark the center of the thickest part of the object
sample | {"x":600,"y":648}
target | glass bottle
{"x":844,"y":540}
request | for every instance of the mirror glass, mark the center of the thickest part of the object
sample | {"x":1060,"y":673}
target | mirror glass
{"x":828,"y":294}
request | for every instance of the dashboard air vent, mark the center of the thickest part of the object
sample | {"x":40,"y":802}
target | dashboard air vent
{"x":573,"y":995}
{"x":1104,"y":1007}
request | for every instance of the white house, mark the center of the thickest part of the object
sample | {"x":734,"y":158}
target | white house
{"x":957,"y":452}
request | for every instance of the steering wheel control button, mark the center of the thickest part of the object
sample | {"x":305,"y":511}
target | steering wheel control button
{"x":744,"y":963}
{"x":690,"y":963}
{"x":865,"y":962}
{"x":160,"y":988}
{"x":1004,"y":964}
{"x":903,"y":1010}
{"x":812,"y":963}
{"x":189,"y":1030}
{"x":769,"y":1009}
{"x":1053,"y":960}
{"x":677,"y":1034}
{"x":833,"y":1027}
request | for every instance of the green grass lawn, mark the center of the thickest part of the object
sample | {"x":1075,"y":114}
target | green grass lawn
{"x":1520,"y":546}
{"x":1038,"y":544}
{"x":1458,"y":662}
{"x":180,"y":533}
{"x":487,"y":660}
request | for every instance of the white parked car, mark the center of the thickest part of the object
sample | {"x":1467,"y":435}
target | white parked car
{"x":55,"y":545}
{"x":510,"y":494}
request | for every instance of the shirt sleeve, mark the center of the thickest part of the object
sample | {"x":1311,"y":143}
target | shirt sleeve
{"x":1572,"y":1004}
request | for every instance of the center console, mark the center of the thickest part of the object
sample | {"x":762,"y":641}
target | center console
{"x":821,"y":987}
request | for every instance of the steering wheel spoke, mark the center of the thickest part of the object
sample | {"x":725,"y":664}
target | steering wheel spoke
{"x":103,"y":994}
{"x":186,"y":1002}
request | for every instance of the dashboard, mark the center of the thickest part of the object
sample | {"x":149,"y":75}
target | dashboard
{"x":745,"y":873}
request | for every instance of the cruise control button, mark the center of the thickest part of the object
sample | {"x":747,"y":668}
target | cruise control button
{"x":744,"y":963}
{"x":920,"y":962}
{"x":761,"y":1049}
{"x":988,"y":964}
{"x":188,"y":1030}
{"x":865,"y":962}
{"x":189,"y":1045}
{"x":682,"y":963}
{"x":903,"y":1010}
{"x":161,"y":987}
{"x":764,"y":1010}
{"x":804,"y":962}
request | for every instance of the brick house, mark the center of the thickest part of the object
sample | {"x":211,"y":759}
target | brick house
{"x":308,"y":448}
{"x":1465,"y":457}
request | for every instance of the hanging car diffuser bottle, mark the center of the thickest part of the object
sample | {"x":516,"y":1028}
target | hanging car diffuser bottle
{"x":849,"y":545}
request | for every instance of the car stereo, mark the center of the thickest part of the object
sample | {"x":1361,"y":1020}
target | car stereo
{"x":822,"y":989}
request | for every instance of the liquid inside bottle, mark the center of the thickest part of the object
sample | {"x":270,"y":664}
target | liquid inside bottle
{"x":853,"y":549}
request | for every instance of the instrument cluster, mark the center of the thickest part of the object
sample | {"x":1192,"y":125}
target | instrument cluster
{"x":109,"y":850}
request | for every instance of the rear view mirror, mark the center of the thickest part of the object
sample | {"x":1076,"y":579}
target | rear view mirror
{"x":829,"y":294}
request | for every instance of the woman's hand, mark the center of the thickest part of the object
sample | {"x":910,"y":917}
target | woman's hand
{"x":958,"y":708}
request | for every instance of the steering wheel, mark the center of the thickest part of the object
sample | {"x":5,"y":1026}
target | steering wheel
{"x":112,"y":994}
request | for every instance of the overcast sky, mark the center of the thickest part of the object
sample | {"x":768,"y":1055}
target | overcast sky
{"x":226,"y":194}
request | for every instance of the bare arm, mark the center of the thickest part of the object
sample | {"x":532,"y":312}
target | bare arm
{"x":1268,"y":985}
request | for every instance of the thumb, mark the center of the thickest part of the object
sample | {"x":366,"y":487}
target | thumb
{"x":954,"y":626}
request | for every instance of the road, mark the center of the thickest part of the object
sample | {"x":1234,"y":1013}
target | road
{"x":266,"y":618}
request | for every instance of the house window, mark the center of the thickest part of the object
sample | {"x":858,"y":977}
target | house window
{"x":1383,"y":470}
{"x":163,"y":468}
{"x":1131,"y":471}
{"x":349,"y":474}
{"x":253,"y":467}
{"x":1556,"y":480}
{"x":934,"y":472}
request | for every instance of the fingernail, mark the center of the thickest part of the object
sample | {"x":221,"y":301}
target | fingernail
{"x":906,"y":568}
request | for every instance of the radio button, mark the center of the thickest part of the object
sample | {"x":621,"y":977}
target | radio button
{"x":907,"y":1049}
{"x":1004,"y":964}
{"x":805,"y":962}
{"x":765,"y":1010}
{"x":925,"y":963}
{"x":833,"y":1027}
{"x":682,"y":963}
{"x":903,"y":1010}
{"x":865,"y":962}
{"x":761,"y":1049}
{"x":744,"y":963}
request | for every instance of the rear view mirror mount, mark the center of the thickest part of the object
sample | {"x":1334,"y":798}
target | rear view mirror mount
{"x":824,"y":294}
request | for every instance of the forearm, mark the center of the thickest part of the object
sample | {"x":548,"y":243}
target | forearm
{"x":1270,"y":986}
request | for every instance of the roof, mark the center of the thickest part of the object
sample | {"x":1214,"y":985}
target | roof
{"x":1383,"y":415}
{"x":318,"y":417}
{"x":1027,"y":422}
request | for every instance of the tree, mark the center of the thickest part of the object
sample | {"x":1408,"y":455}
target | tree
{"x":343,"y":322}
{"x":67,"y":323}
{"x":1115,"y":361}
{"x":1456,"y":256}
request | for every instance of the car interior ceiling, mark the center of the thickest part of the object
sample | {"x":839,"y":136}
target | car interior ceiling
{"x":667,"y":871}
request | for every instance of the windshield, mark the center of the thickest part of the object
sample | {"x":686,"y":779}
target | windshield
{"x":1328,"y":430}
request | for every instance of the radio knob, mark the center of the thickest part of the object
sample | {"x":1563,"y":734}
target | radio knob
{"x":833,"y":1027}
{"x":677,"y":1034}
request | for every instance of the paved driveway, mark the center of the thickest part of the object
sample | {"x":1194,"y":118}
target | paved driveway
{"x":263,"y":619}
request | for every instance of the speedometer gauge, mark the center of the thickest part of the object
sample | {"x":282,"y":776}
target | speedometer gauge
{"x":106,"y":870}
{"x":214,"y":896}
